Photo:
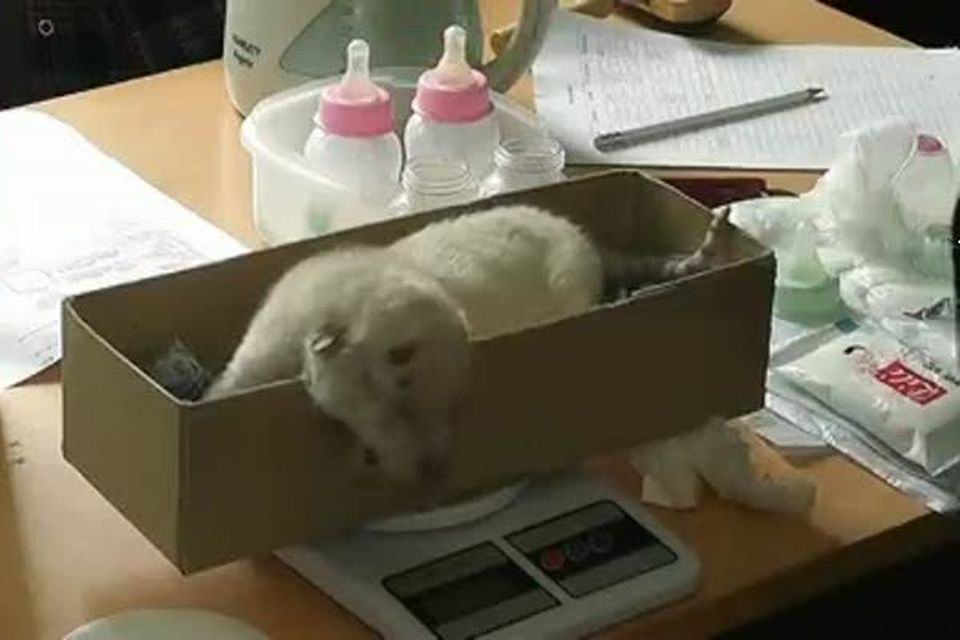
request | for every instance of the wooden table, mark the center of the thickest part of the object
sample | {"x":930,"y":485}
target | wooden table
{"x":66,"y":556}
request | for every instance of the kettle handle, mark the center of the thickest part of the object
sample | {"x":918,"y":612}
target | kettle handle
{"x":525,"y":42}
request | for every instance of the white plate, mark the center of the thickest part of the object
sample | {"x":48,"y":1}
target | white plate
{"x":450,"y":516}
{"x":166,"y":624}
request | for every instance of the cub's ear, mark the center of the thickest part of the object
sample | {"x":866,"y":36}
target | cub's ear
{"x":327,"y":342}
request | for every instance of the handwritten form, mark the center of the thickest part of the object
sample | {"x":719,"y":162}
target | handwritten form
{"x":73,"y":220}
{"x":594,"y":77}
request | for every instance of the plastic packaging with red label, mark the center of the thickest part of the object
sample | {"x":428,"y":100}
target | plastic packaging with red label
{"x":898,"y":394}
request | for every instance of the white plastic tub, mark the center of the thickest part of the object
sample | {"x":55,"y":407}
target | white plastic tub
{"x":292,"y":202}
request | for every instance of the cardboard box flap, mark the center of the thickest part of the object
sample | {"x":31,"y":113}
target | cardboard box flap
{"x":632,"y":205}
{"x":122,"y":433}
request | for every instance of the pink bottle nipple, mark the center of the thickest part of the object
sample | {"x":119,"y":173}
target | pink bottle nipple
{"x":356,"y":106}
{"x":452,"y":91}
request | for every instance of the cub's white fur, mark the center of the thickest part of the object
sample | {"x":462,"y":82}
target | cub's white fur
{"x":381,"y":336}
{"x":510,"y":267}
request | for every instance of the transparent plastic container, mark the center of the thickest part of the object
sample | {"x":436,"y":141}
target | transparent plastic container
{"x":475,"y":142}
{"x":434,"y":183}
{"x":368,"y":168}
{"x":292,"y":201}
{"x":525,"y":163}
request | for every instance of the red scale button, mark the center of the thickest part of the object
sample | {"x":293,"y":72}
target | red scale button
{"x":552,"y":559}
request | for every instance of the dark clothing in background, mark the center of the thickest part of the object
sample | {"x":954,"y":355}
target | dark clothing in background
{"x":926,"y":23}
{"x":53,"y":47}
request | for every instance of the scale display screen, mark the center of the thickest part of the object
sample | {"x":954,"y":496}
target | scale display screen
{"x":591,"y":548}
{"x":468,"y":593}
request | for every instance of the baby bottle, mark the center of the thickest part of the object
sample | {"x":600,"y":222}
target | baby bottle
{"x":452,"y":112}
{"x":353,"y":143}
{"x":434,"y":182}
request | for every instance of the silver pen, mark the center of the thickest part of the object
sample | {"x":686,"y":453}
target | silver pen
{"x":630,"y":137}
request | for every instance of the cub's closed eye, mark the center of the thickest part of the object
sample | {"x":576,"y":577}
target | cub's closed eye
{"x":370,"y":457}
{"x":328,"y":340}
{"x":402,"y":355}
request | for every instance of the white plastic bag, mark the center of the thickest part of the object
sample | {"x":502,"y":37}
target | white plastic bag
{"x":805,"y":289}
{"x":917,"y":309}
{"x":889,"y":199}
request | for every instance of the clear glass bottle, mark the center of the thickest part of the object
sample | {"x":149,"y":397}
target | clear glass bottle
{"x":524,"y":163}
{"x":434,"y":182}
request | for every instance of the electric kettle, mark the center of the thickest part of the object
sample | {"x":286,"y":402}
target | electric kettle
{"x":271,"y":46}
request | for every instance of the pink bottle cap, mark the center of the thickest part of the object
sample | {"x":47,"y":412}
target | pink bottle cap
{"x":355,"y":107}
{"x":452,"y":91}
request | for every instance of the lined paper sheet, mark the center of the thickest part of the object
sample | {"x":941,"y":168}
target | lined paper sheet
{"x":594,"y":77}
{"x":73,"y":220}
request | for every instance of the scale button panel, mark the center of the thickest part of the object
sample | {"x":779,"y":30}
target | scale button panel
{"x":469,"y":593}
{"x":600,"y":545}
{"x":576,"y":550}
{"x":601,"y":541}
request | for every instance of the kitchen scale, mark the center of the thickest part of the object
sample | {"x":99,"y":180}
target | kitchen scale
{"x":557,"y":557}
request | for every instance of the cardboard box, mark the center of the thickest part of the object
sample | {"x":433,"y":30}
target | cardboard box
{"x":207,"y":483}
